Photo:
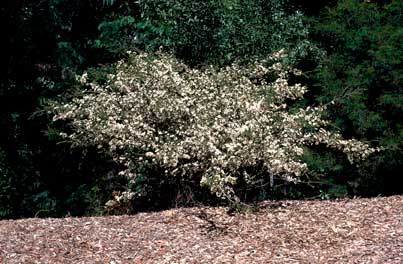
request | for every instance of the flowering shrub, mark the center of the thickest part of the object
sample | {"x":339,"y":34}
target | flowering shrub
{"x":208,"y":123}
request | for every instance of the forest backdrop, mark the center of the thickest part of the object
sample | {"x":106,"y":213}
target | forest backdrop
{"x":350,"y":52}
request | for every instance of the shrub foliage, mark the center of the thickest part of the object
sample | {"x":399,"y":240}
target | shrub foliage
{"x":208,"y":124}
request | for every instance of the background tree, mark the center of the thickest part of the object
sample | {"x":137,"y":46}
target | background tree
{"x":44,"y":44}
{"x":363,"y":73}
{"x":48,"y":42}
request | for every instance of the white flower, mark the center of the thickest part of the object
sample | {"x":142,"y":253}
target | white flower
{"x":212,"y":122}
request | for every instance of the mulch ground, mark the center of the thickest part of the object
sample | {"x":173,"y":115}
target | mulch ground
{"x":343,"y":231}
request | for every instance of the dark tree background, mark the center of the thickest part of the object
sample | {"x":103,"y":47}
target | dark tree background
{"x":351,"y":51}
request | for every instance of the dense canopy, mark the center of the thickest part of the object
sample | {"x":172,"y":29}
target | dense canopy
{"x":184,"y":95}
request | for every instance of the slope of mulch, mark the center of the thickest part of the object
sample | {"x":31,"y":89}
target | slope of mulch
{"x":344,"y":231}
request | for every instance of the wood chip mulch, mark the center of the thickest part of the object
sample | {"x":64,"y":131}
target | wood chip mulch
{"x":343,"y":231}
